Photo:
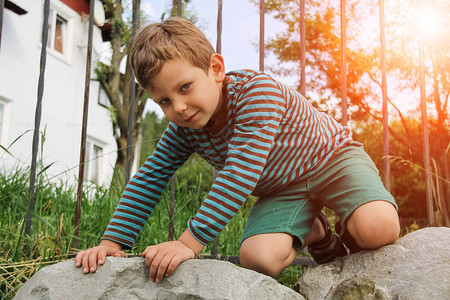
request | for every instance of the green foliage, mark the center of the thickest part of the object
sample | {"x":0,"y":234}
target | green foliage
{"x":101,"y":71}
{"x":407,"y":173}
{"x":112,"y":114}
{"x":323,"y":53}
{"x":152,"y":129}
{"x":195,"y":167}
{"x":186,"y":12}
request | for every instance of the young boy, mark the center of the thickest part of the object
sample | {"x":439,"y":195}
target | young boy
{"x":265,"y":139}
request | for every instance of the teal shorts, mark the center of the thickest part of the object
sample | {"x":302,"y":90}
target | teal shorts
{"x":349,"y":180}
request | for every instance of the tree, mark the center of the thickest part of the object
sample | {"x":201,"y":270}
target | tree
{"x":429,"y":20}
{"x":324,"y":65}
{"x":117,"y":84}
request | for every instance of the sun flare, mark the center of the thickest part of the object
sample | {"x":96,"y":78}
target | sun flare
{"x":428,"y":22}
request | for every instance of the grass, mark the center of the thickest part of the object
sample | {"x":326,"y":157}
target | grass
{"x":51,"y":236}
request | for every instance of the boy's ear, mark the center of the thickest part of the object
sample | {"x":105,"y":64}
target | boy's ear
{"x":218,"y":67}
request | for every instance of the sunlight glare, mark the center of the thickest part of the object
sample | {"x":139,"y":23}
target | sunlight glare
{"x":428,"y":22}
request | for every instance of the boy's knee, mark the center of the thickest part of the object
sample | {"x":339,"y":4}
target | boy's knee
{"x":376,"y":228}
{"x":264,"y":258}
{"x":377,"y":233}
{"x":260,"y":261}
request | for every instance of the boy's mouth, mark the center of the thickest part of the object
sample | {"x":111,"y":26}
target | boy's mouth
{"x":191,"y":118}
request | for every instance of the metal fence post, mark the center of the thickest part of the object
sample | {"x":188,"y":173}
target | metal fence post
{"x":262,"y":10}
{"x":173,"y":181}
{"x":302,"y":49}
{"x":131,"y":99}
{"x":425,"y":140}
{"x":387,"y":166}
{"x":218,"y":50}
{"x":87,"y":84}
{"x":37,"y":117}
{"x":343,"y":65}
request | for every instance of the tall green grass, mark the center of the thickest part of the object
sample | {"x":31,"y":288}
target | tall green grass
{"x":52,"y":227}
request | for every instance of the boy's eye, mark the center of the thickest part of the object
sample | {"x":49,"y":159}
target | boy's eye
{"x":164,"y":101}
{"x":185,"y":87}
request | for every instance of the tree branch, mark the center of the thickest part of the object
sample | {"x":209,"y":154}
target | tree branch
{"x":368,"y":110}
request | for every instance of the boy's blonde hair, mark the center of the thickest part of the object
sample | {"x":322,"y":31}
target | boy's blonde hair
{"x":172,"y":38}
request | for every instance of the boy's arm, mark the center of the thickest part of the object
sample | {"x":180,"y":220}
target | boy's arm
{"x":143,"y":191}
{"x":138,"y":200}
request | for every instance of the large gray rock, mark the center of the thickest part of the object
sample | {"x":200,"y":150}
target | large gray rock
{"x":417,"y":266}
{"x":127,"y":278}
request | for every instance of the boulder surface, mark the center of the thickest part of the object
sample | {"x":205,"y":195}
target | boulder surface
{"x":417,"y":266}
{"x":127,"y":278}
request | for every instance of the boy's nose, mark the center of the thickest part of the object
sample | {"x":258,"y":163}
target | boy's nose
{"x":180,"y":106}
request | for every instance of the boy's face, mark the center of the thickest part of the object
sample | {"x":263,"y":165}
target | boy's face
{"x":187,"y":95}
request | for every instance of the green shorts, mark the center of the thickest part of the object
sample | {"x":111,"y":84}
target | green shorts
{"x":347,"y":181}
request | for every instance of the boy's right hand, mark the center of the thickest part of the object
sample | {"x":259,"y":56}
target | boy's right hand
{"x":88,"y":259}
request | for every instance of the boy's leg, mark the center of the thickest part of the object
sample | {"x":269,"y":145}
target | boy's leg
{"x":373,"y":225}
{"x":351,"y":186}
{"x":267,"y":253}
{"x":271,"y":253}
{"x":278,"y":226}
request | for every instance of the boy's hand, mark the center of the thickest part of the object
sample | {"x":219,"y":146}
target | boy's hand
{"x":89,"y":258}
{"x":162,"y":259}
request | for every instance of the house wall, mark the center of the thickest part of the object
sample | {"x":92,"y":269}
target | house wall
{"x":63,"y":94}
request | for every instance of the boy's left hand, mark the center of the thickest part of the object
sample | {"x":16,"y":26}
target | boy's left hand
{"x":162,"y":259}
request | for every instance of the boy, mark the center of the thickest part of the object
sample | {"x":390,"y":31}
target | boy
{"x":265,"y":139}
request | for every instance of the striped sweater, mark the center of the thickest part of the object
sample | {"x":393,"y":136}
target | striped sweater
{"x":272,"y":137}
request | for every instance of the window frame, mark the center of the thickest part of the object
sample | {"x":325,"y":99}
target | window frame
{"x":59,"y":11}
{"x":102,"y":95}
{"x":91,"y":161}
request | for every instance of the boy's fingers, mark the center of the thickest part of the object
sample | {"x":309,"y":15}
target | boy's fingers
{"x":120,"y":254}
{"x":149,"y":255}
{"x":92,"y":262}
{"x":91,"y":258}
{"x":154,"y":266}
{"x":101,"y":256}
{"x":85,"y":263}
{"x":173,"y":265}
{"x":162,"y":268}
{"x":78,"y":259}
{"x":149,"y":248}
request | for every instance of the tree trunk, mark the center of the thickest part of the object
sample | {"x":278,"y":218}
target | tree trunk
{"x":117,"y":88}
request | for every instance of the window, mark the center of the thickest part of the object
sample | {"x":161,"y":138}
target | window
{"x":60,"y":30}
{"x":103,"y":99}
{"x":57,"y":32}
{"x":93,"y":159}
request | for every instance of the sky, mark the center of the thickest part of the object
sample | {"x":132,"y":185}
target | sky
{"x":240,"y":31}
{"x":240,"y":38}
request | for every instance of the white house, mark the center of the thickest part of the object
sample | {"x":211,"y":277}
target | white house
{"x":64,"y":87}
